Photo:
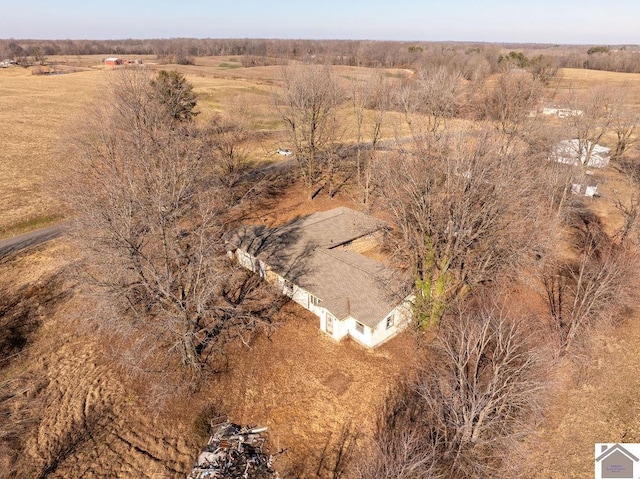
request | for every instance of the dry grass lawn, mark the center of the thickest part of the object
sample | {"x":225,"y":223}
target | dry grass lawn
{"x":600,"y":406}
{"x":65,"y":411}
{"x":35,"y":111}
{"x":307,"y":388}
{"x":582,"y":78}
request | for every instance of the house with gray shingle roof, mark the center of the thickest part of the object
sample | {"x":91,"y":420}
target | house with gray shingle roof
{"x":316,"y":260}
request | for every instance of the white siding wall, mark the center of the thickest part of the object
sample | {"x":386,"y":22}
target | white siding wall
{"x":369,"y":337}
{"x":380,"y":334}
{"x":301,"y":297}
{"x":363,"y":338}
{"x":340,"y":328}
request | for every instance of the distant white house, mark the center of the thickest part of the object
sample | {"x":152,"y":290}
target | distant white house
{"x":585,"y":185}
{"x":581,"y":153}
{"x":316,"y":260}
{"x":561,"y":112}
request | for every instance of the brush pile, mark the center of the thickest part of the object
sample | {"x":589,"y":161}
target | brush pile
{"x":234,"y":452}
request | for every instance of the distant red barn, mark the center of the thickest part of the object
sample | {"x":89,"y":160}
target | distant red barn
{"x":113,"y":61}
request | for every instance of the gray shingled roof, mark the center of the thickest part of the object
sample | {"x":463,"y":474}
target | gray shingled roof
{"x":308,"y":251}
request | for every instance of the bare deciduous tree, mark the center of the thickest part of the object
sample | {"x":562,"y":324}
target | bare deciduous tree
{"x":308,"y":107}
{"x":512,"y":100}
{"x":471,"y":404}
{"x":462,"y":218}
{"x":402,"y":447}
{"x":628,"y":203}
{"x":593,"y":114}
{"x":438,"y":92}
{"x":427,"y":102}
{"x":590,"y":290}
{"x":544,"y":68}
{"x":152,"y":223}
{"x":229,"y":136}
{"x":624,"y":122}
{"x":370,"y":96}
{"x":486,"y":385}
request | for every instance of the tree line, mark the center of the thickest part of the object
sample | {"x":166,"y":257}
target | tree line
{"x":365,"y":53}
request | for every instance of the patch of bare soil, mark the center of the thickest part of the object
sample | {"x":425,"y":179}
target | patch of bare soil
{"x":600,"y":406}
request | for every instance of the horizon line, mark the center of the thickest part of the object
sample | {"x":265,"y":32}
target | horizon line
{"x":485,"y":42}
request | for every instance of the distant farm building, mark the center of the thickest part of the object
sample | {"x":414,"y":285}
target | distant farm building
{"x":317,"y":261}
{"x":581,"y":153}
{"x":561,"y":112}
{"x":585,"y":185}
{"x":113,"y":61}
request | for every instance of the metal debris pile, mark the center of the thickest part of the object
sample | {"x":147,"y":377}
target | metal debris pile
{"x":234,"y":452}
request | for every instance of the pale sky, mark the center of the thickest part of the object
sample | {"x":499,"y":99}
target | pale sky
{"x":541,"y":21}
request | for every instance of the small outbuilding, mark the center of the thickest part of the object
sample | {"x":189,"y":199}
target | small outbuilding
{"x":581,"y":153}
{"x":585,"y":185}
{"x":113,"y":61}
{"x":561,"y":112}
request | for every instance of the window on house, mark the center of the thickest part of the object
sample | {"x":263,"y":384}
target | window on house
{"x":313,"y":300}
{"x":390,"y":320}
{"x":359,"y":327}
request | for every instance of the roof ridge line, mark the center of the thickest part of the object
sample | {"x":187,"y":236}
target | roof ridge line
{"x":324,"y":219}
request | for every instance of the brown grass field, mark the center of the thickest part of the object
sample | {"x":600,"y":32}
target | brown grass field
{"x":306,"y":395}
{"x":36,"y":110}
{"x":33,"y":112}
{"x":574,"y":77}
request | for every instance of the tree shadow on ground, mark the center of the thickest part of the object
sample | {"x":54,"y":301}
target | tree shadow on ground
{"x":22,"y":311}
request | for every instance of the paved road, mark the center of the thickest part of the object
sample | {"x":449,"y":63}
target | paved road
{"x":33,"y":238}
